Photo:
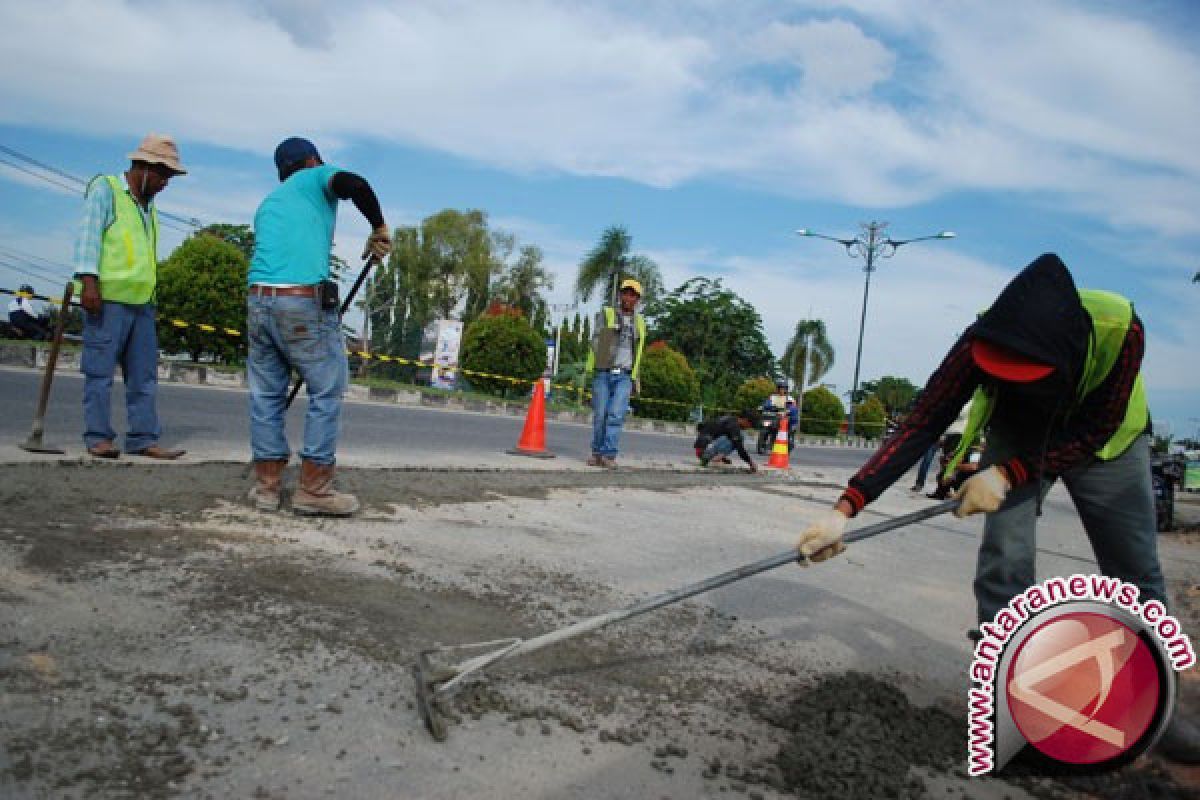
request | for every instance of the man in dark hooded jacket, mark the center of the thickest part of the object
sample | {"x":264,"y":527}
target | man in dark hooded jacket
{"x":1053,"y":375}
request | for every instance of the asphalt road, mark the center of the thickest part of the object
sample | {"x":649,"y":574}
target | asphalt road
{"x":212,"y":423}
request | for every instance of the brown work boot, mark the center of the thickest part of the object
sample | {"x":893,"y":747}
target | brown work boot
{"x":315,"y":496}
{"x":268,"y":478}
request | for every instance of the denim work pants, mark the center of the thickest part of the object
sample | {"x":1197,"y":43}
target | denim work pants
{"x":610,"y":401}
{"x":286,"y":333}
{"x":1115,"y":502}
{"x":720,"y":446}
{"x":120,"y":334}
{"x":926,"y":463}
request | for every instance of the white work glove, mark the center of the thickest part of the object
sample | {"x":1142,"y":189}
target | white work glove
{"x":983,"y":491}
{"x":822,"y":538}
{"x":379,"y":243}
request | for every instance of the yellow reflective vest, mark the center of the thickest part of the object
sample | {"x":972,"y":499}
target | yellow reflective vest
{"x":1111,"y":316}
{"x":128,"y":268}
{"x":604,"y":354}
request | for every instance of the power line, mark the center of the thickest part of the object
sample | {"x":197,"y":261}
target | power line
{"x":15,"y":253}
{"x":29,"y":271}
{"x":40,"y":176}
{"x":30,"y":160}
{"x":81,"y":184}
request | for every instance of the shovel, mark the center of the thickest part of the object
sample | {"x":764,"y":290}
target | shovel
{"x":34,"y":443}
{"x":434,"y":683}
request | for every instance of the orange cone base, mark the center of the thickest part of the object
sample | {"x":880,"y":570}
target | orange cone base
{"x":779,"y":450}
{"x":532,"y":442}
{"x":519,"y":451}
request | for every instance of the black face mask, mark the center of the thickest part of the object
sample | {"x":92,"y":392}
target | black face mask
{"x":1037,"y":399}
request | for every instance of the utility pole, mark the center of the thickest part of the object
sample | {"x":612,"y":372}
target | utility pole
{"x":869,"y":245}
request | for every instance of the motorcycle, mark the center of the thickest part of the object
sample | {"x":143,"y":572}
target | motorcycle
{"x":1166,"y":473}
{"x":768,"y":429}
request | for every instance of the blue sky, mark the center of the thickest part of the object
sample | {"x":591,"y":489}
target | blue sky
{"x":711,"y":130}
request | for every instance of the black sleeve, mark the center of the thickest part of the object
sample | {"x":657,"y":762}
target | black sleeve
{"x":348,"y":186}
{"x":946,"y":392}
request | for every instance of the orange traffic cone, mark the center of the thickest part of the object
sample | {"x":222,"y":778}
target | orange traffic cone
{"x":533,"y":436}
{"x":779,"y":450}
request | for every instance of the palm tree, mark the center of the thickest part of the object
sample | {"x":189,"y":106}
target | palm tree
{"x":808,"y":356}
{"x":608,"y":261}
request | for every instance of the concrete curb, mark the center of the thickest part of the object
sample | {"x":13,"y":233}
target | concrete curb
{"x":34,"y":357}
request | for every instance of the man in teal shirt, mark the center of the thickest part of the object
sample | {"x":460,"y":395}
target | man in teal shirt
{"x":290,"y":327}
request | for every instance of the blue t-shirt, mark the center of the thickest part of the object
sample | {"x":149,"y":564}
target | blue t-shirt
{"x":293,"y":229}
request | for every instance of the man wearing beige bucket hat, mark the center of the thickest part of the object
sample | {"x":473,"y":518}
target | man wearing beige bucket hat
{"x":116,"y":267}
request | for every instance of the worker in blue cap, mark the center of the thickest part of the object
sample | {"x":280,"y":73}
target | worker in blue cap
{"x":294,"y":324}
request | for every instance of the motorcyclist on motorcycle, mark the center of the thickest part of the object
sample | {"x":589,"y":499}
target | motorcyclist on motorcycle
{"x":24,"y":317}
{"x":781,"y":401}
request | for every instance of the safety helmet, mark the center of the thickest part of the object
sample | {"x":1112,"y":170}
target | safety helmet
{"x":630,"y":283}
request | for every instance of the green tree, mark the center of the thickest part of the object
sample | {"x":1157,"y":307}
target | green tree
{"x":869,"y":416}
{"x":669,"y":387}
{"x":896,"y":394}
{"x":609,"y":262}
{"x":203,"y":281}
{"x":522,"y":284}
{"x":444,"y":264}
{"x":503,"y":343}
{"x":823,"y":412}
{"x":753,"y":393}
{"x":456,"y":258}
{"x":720,"y":334}
{"x":240,"y":236}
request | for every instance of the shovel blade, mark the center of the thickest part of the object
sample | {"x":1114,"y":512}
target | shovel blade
{"x":34,"y":444}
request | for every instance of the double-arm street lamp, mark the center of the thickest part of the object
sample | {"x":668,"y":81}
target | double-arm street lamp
{"x":869,"y":245}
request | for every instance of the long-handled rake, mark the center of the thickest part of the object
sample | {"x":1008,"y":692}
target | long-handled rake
{"x":434,"y":683}
{"x":35,"y":443}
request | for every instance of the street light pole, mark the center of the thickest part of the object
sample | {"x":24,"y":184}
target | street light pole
{"x":556,"y":308}
{"x":869,"y":245}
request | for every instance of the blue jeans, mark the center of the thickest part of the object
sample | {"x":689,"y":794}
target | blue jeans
{"x":120,"y":334}
{"x":1115,"y":502}
{"x":610,"y":401}
{"x":720,"y":446}
{"x":287,"y":333}
{"x":926,"y":463}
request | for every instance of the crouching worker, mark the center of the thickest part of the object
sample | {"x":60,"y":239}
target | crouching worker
{"x":293,"y":323}
{"x":703,"y":440}
{"x":724,"y":435}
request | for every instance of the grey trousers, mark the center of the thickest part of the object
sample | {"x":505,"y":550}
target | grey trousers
{"x":1115,"y":501}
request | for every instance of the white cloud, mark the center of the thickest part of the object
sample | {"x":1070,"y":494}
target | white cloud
{"x":893,"y":104}
{"x":836,"y":58}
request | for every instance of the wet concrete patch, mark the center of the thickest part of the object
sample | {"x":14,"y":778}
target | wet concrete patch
{"x":88,"y":490}
{"x":855,"y":736}
{"x":237,"y":654}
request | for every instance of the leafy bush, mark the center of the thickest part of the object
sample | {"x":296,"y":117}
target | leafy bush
{"x":666,"y":375}
{"x":868,"y":418}
{"x":822,"y":413}
{"x":502,"y":344}
{"x":203,"y":281}
{"x":752,"y":393}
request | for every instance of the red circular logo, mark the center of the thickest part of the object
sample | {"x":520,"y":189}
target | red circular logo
{"x":1083,"y":688}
